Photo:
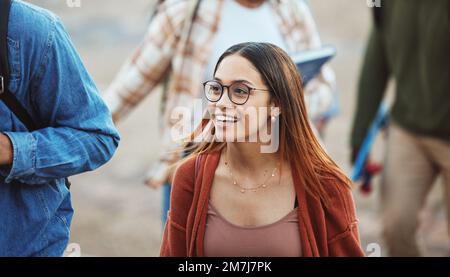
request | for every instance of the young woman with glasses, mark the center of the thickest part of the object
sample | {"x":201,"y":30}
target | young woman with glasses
{"x":230,"y":198}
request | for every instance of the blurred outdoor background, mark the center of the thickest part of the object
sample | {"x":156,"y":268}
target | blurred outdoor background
{"x":116,"y":215}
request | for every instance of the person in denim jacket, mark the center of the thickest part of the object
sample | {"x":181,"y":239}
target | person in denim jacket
{"x":76,"y":134}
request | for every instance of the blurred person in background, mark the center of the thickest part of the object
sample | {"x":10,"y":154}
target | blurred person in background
{"x":409,"y":42}
{"x":182,"y":44}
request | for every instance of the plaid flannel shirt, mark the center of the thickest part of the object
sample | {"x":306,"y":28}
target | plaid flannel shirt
{"x":168,"y":53}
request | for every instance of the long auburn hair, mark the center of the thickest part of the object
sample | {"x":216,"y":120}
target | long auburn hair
{"x":298,"y":143}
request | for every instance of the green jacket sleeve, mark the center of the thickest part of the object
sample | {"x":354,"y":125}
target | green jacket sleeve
{"x":371,"y":87}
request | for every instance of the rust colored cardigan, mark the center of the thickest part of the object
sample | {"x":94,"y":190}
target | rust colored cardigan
{"x":331,"y":231}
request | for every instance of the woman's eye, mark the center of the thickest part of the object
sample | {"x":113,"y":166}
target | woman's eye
{"x":215,"y":89}
{"x":241,"y":92}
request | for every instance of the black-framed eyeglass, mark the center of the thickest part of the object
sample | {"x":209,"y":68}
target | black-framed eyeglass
{"x":238,"y":92}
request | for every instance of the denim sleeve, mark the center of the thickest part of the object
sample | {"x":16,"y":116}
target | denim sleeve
{"x":77,"y":133}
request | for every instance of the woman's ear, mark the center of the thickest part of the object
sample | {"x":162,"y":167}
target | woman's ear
{"x":274,"y":110}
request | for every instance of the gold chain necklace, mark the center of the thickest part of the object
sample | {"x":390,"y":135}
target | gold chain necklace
{"x":255,"y":189}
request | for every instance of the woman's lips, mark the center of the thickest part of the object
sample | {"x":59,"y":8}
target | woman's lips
{"x":224,"y":120}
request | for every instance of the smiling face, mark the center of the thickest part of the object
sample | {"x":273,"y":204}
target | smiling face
{"x":266,"y":65}
{"x":235,"y":122}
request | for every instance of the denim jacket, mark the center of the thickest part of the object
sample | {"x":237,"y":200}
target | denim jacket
{"x":76,"y":133}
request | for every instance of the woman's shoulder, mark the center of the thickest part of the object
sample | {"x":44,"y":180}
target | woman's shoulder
{"x":186,"y":169}
{"x":186,"y":173}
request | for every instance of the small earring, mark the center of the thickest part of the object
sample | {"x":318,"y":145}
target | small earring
{"x":274,"y":118}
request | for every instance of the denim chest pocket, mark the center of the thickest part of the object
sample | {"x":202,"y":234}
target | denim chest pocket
{"x":14,"y":63}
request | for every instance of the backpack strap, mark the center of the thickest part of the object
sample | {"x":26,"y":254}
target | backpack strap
{"x":5,"y":95}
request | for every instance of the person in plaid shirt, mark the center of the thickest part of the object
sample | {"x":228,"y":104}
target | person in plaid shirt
{"x":183,"y":41}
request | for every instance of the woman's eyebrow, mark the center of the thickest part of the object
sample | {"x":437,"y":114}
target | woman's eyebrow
{"x":236,"y":81}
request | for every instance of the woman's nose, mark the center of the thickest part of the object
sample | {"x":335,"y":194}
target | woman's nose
{"x":225,"y":100}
